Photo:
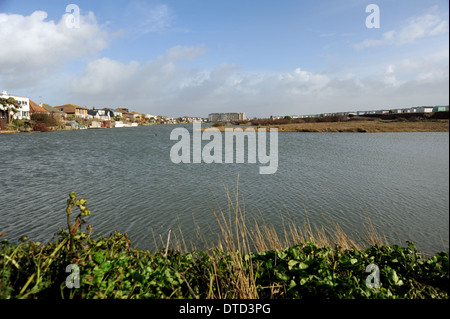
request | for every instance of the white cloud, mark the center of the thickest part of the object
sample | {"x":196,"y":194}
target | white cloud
{"x":390,"y":78}
{"x":427,"y":25}
{"x":35,"y":50}
{"x":32,"y":47}
{"x":166,"y":86}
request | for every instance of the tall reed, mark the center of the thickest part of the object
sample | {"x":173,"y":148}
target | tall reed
{"x":238,"y":236}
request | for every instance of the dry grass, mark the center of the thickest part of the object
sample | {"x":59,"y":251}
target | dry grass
{"x":239,"y":236}
{"x":376,"y":126}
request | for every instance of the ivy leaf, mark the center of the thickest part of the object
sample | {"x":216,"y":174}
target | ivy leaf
{"x":302,"y":265}
{"x":292,"y":263}
{"x":292,"y":284}
{"x":281,"y":276}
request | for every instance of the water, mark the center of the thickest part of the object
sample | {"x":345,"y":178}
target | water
{"x":399,"y":180}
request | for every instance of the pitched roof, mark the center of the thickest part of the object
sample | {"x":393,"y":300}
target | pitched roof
{"x":51,"y":109}
{"x":72,"y":105}
{"x":35,"y":108}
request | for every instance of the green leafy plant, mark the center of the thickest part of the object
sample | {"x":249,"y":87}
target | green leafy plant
{"x":111,"y":268}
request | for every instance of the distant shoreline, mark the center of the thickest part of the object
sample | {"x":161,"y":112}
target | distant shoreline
{"x":356,"y":127}
{"x":369,"y":126}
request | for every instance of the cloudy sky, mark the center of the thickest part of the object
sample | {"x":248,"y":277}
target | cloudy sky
{"x":194,"y":57}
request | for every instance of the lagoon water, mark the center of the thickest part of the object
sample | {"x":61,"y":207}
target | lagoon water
{"x":398,"y":180}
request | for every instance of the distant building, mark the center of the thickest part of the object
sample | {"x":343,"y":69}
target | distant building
{"x":151,"y":116}
{"x":126,"y":114}
{"x":54,"y":111}
{"x":99,"y":114}
{"x":37,"y":109}
{"x":227,"y":117}
{"x":113,"y":113}
{"x":440,"y":108}
{"x":71,"y":109}
{"x":424,"y":109}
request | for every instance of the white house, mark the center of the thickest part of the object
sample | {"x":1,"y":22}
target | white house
{"x":113,"y":113}
{"x":99,"y":114}
{"x":151,"y":116}
{"x":24,"y":111}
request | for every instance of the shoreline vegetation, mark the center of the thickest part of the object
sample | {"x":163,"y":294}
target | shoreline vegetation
{"x":248,"y":260}
{"x":360,"y":126}
{"x":387,"y":123}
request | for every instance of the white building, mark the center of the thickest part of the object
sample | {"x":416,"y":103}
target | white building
{"x":24,"y":111}
{"x":227,"y":117}
{"x":151,"y":116}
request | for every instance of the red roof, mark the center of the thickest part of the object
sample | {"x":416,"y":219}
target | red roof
{"x":35,"y":108}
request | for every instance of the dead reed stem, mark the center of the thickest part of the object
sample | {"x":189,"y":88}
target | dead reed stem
{"x":238,"y":237}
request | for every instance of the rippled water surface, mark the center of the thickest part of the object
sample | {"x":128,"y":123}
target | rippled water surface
{"x":399,"y":180}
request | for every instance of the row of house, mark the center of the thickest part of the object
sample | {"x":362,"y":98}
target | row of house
{"x":72,"y":112}
{"x":105,"y":114}
{"x":28,"y":107}
{"x":417,"y":109}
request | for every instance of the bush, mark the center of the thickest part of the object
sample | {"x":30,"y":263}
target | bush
{"x":41,"y":127}
{"x":47,"y":119}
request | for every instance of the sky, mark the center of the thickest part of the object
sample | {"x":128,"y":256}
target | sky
{"x":195,"y":57}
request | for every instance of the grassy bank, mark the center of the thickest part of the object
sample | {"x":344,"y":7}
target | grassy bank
{"x":247,"y":260}
{"x":374,"y":126}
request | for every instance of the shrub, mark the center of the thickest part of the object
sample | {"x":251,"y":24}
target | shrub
{"x":41,"y":127}
{"x":47,"y":119}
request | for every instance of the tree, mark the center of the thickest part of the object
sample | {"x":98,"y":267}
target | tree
{"x":11,"y":105}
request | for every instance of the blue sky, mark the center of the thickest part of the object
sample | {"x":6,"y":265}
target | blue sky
{"x":194,"y":57}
